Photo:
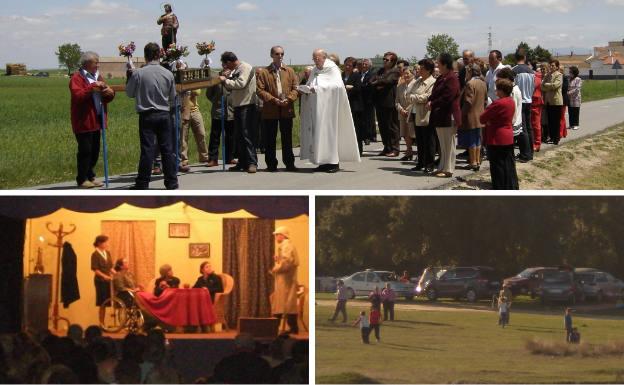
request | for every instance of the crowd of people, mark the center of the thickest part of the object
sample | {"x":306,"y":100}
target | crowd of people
{"x":90,"y":358}
{"x":438,"y":105}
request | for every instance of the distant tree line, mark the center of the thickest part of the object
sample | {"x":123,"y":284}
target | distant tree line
{"x":508,"y":234}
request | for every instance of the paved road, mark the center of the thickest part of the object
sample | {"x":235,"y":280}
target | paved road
{"x":373,"y":173}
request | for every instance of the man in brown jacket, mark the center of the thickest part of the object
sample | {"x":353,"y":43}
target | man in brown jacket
{"x":277,"y":87}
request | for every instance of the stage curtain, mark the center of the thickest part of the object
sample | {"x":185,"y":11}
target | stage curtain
{"x":248,"y":249}
{"x":12,"y":233}
{"x":135,"y":240}
{"x":264,"y":207}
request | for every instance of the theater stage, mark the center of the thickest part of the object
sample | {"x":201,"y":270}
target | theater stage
{"x":197,"y":354}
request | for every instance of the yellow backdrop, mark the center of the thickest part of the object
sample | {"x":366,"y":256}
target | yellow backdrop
{"x":205,"y":228}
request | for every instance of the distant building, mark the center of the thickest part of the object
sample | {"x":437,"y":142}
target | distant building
{"x":115,"y":67}
{"x":602,"y":60}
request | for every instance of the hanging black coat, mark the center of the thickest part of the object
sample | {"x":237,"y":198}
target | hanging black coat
{"x":70,"y":292}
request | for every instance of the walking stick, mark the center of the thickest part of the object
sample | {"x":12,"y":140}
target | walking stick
{"x":223,"y":107}
{"x":105,"y":146}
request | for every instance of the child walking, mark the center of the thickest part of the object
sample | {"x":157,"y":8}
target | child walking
{"x":362,"y":320}
{"x":567,"y":323}
{"x":503,"y":313}
{"x":375,"y":322}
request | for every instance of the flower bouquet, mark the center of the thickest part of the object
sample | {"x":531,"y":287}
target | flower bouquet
{"x":205,"y":48}
{"x":174,"y":53}
{"x":127,"y":50}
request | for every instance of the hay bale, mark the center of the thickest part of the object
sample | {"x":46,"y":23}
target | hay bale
{"x":16,"y":69}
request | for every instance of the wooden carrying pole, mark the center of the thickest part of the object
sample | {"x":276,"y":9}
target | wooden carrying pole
{"x":60,"y":235}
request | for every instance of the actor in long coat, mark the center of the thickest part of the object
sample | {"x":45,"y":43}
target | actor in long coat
{"x":284,"y":298}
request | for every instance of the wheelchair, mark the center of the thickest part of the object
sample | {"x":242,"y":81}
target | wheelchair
{"x":121,"y":312}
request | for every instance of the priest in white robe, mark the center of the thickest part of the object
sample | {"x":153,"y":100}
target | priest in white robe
{"x":327,"y":130}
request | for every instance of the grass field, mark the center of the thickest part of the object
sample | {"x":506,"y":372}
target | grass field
{"x":38,"y":146}
{"x":601,"y":89}
{"x":36,"y":141}
{"x":461,"y":346}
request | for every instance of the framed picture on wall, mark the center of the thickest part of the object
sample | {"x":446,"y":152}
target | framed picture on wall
{"x":199,"y":250}
{"x":179,"y":230}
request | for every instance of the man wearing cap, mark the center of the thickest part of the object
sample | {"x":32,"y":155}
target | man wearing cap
{"x":284,"y":298}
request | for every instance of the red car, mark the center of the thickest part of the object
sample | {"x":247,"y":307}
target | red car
{"x":529,"y":281}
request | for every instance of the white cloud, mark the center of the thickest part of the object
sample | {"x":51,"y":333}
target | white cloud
{"x":562,"y":6}
{"x":246,"y":7}
{"x":104,"y":8}
{"x":449,"y":10}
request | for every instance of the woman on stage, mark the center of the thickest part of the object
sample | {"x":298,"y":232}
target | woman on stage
{"x":102,"y":267}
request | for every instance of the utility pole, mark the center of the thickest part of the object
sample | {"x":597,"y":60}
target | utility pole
{"x":490,"y":40}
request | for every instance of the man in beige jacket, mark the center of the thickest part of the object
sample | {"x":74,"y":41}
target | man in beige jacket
{"x":240,"y":78}
{"x":284,"y":298}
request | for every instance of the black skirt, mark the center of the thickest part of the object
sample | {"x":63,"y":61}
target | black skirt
{"x":102,"y":291}
{"x":503,"y":167}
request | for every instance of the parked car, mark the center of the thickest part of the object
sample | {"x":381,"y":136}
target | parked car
{"x":561,"y":286}
{"x":528,"y":281}
{"x":599,"y":285}
{"x":42,"y":75}
{"x":472,"y":283}
{"x":362,"y":283}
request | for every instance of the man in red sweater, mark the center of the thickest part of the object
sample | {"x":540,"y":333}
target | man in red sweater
{"x":89,"y":97}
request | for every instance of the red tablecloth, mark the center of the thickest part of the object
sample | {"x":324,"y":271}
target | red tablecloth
{"x":180,"y":307}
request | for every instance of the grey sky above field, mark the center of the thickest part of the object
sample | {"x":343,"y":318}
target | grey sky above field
{"x":32,"y":30}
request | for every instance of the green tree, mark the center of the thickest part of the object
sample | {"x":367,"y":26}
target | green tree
{"x":541,"y":55}
{"x":442,"y":43}
{"x":69,"y":57}
{"x":510,"y":59}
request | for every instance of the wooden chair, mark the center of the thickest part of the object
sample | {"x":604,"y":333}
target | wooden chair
{"x":220,"y":298}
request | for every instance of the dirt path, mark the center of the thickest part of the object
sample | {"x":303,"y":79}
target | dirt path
{"x":583,"y":164}
{"x":414,"y":307}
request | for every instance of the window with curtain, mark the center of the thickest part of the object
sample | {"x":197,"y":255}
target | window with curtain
{"x":135,"y":240}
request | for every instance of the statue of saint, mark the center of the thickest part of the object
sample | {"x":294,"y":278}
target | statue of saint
{"x":170,"y":25}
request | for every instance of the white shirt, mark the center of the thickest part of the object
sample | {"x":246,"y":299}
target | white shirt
{"x":517,"y":97}
{"x":364,"y":322}
{"x":490,"y":79}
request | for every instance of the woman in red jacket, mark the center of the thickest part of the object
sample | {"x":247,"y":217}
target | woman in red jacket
{"x":89,"y":97}
{"x":499,"y":137}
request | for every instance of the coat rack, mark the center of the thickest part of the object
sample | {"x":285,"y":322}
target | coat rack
{"x":60,"y":235}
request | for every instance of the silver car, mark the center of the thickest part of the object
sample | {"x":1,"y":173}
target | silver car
{"x":362,"y":283}
{"x":599,"y":285}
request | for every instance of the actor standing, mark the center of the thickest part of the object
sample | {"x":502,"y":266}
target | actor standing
{"x":284,"y":298}
{"x":277,"y":88}
{"x":240,"y":78}
{"x":153,"y":86}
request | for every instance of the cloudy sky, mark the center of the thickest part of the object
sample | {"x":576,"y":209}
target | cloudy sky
{"x":32,"y":30}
